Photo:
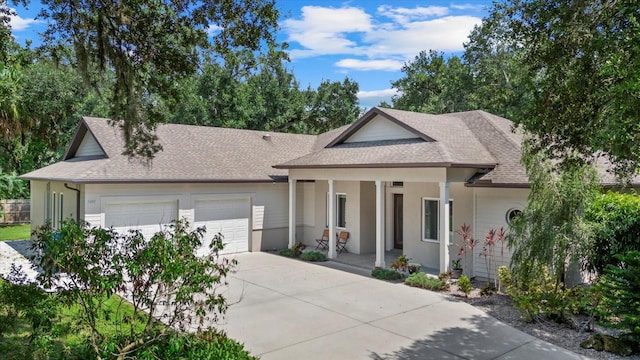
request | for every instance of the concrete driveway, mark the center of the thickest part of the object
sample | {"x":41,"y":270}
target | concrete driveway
{"x":289,"y":309}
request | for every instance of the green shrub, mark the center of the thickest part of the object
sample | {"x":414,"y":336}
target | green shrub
{"x":208,"y":345}
{"x":313,"y":256}
{"x":542,"y":296}
{"x":464,"y":284}
{"x":615,"y":220}
{"x":386,"y":274}
{"x":287,"y":253}
{"x":504,"y":277}
{"x":423,"y":281}
{"x":621,"y":291}
{"x":294,"y":252}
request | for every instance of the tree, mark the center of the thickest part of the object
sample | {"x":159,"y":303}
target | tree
{"x":162,"y":277}
{"x":432,"y":84}
{"x":150,"y":48}
{"x":493,"y":59}
{"x":582,"y":62}
{"x":551,"y":231}
{"x":332,"y":105}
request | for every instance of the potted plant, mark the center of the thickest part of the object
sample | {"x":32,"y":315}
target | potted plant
{"x":456,"y":268}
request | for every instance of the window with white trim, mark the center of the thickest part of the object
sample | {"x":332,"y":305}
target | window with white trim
{"x":431,"y":219}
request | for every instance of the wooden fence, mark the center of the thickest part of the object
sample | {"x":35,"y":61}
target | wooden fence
{"x":15,"y":211}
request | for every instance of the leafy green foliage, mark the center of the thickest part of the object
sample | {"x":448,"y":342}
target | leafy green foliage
{"x":20,"y":299}
{"x":464,"y":284}
{"x":422,"y":280}
{"x":313,"y":256}
{"x":621,"y":291}
{"x":88,"y":265}
{"x":615,"y":218}
{"x":581,"y":60}
{"x":504,"y":277}
{"x":551,"y":230}
{"x":294,"y":252}
{"x":401,"y":263}
{"x":432,"y":84}
{"x":541,"y":295}
{"x":147,"y":69}
{"x":12,"y":188}
{"x":210,"y":345}
{"x":386,"y":274}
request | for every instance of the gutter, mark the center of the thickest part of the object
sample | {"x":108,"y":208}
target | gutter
{"x":77,"y":200}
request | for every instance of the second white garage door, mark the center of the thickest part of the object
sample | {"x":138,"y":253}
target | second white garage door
{"x":230,"y":217}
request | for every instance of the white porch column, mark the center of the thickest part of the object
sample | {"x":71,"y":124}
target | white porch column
{"x":332,"y":221}
{"x":444,"y":226}
{"x":292,"y":212}
{"x":379,"y":224}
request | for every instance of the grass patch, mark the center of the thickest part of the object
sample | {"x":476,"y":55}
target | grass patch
{"x":313,"y":256}
{"x":15,"y":232}
{"x":386,"y":274}
{"x":421,"y":280}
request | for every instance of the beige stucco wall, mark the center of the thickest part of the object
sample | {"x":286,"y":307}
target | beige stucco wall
{"x":427,"y":253}
{"x":353,"y":214}
{"x":367,"y":217}
{"x":38,"y":201}
{"x":491,"y":206}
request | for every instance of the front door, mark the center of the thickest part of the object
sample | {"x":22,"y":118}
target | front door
{"x":397,"y":221}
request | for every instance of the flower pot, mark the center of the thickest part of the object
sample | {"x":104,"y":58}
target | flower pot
{"x":456,"y":273}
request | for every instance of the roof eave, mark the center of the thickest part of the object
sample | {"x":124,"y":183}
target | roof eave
{"x":390,"y":165}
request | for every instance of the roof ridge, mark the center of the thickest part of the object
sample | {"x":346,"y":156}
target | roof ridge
{"x":484,"y":114}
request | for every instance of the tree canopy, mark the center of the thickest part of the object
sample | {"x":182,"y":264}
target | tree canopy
{"x":567,"y":72}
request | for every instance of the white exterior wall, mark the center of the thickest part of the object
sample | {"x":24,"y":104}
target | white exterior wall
{"x":380,"y":128}
{"x":88,"y":147}
{"x":39,"y":203}
{"x":269,"y":204}
{"x":491,"y":206}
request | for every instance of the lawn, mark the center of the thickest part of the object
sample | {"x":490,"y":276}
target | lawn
{"x":68,"y":341}
{"x":15,"y":232}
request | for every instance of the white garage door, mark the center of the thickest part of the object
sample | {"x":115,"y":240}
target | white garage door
{"x":148,"y":217}
{"x":230,"y":217}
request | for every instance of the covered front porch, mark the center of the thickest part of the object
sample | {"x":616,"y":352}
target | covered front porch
{"x":363,"y":202}
{"x":364,"y":261}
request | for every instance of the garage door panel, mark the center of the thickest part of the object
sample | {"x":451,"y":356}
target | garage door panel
{"x":229,"y":217}
{"x":148,"y":217}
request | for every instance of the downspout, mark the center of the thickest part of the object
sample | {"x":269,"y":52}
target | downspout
{"x":77,"y":200}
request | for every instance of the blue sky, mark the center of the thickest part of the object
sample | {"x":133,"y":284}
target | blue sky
{"x":366,"y":40}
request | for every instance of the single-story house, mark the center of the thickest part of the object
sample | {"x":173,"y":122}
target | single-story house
{"x":393,"y":179}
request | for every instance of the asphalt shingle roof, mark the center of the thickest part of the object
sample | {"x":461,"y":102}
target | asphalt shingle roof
{"x":190,"y":154}
{"x":474,"y":139}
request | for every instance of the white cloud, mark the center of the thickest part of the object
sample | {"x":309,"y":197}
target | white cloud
{"x":404,"y":15}
{"x":19,"y":23}
{"x":352,"y":31}
{"x":323,"y":30}
{"x":442,"y":34}
{"x":366,"y":65}
{"x":368,"y":99}
{"x":213,"y":29}
{"x":475,"y":7}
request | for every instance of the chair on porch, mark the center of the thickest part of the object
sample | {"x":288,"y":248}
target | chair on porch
{"x":342,"y":242}
{"x":323,"y":243}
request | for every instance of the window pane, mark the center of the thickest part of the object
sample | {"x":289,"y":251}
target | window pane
{"x":342,"y":211}
{"x":430,"y":219}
